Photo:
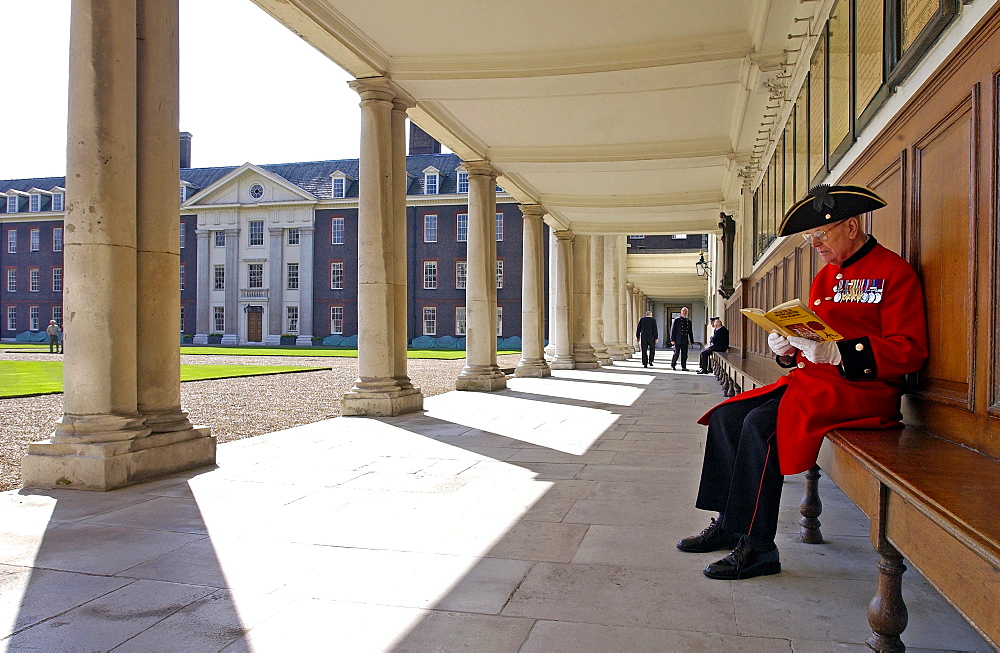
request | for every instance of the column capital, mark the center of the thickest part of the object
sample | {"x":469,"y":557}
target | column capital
{"x":564,"y":234}
{"x":629,"y":285}
{"x":374,"y":88}
{"x":533,"y":211}
{"x":276,"y":231}
{"x":202,"y":233}
{"x":232,"y":231}
{"x":479,"y":168}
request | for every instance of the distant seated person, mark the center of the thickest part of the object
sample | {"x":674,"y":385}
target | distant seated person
{"x":718,"y":342}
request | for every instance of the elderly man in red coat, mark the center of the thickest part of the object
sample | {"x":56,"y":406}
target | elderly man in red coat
{"x":873,"y":298}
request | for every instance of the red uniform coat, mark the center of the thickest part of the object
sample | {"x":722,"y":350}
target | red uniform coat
{"x":875,"y":301}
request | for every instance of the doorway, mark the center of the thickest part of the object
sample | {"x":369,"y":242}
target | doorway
{"x":255,"y":323}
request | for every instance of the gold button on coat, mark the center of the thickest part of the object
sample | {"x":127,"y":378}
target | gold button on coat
{"x":817,"y":302}
{"x":859,"y":347}
{"x":801,"y":365}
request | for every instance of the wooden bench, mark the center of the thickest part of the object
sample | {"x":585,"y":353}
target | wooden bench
{"x":929,"y":500}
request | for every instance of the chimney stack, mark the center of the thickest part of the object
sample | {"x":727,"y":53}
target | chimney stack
{"x":421,"y":142}
{"x":185,"y":149}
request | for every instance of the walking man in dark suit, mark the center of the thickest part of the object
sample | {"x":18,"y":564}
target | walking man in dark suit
{"x":647,"y":335}
{"x":719,"y":342}
{"x":680,"y":338}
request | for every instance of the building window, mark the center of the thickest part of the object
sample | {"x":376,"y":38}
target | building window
{"x":11,"y":280}
{"x":337,"y":231}
{"x":12,"y":204}
{"x":461,"y":274}
{"x":499,"y":227}
{"x":293,"y":236}
{"x":182,"y":276}
{"x":57,"y":314}
{"x":255,"y":275}
{"x":34,"y":318}
{"x":499,"y":321}
{"x":430,"y":275}
{"x":12,"y":241}
{"x":462,"y":227}
{"x":182,"y":319}
{"x":636,"y":237}
{"x":220,"y":278}
{"x":431,"y":180}
{"x":459,"y":320}
{"x":256,"y":191}
{"x":34,"y":239}
{"x":34,"y":203}
{"x":219,"y":318}
{"x":34,"y":282}
{"x":293,"y":276}
{"x":291,"y":319}
{"x":256,"y":233}
{"x":430,"y":320}
{"x":56,"y":279}
{"x":430,"y":228}
{"x":679,"y":236}
{"x":499,"y":274}
{"x":336,"y":319}
{"x":220,"y":238}
{"x":57,"y":201}
{"x":12,"y":318}
{"x":339,"y":187}
{"x":463,"y":182}
{"x":184,"y":193}
{"x":337,"y":275}
{"x":57,"y":239}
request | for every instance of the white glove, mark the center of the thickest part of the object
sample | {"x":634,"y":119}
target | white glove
{"x":817,"y":352}
{"x":779,"y":344}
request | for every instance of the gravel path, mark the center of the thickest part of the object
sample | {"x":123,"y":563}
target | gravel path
{"x":234,"y":408}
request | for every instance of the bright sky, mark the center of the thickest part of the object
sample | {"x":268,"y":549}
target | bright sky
{"x":250,"y":89}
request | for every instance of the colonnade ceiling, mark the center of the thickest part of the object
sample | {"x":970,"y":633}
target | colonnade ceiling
{"x":617,"y":117}
{"x":667,"y":277}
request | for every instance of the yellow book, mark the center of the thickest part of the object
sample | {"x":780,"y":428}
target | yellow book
{"x":793,"y":319}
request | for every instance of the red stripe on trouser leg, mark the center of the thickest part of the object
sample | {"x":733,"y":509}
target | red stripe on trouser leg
{"x":760,"y":486}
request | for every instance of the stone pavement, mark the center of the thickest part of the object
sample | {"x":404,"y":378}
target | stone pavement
{"x":540,"y":518}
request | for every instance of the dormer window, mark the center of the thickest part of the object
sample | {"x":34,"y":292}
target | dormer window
{"x":462,"y":182}
{"x":339,"y":182}
{"x":12,"y":203}
{"x":34,"y":203}
{"x":432,"y":181}
{"x":57,"y":201}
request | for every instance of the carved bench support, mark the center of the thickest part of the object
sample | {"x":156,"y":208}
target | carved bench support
{"x":810,"y":508}
{"x":887,"y":613}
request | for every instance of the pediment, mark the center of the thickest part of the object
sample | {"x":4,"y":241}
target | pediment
{"x":249,"y":185}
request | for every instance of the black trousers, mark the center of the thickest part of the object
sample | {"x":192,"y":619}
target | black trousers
{"x":703,"y":358}
{"x":741,"y":478}
{"x":683,"y":351}
{"x":648,"y":348}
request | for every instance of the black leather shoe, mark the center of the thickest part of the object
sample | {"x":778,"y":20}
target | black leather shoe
{"x":743,"y":562}
{"x":713,"y":538}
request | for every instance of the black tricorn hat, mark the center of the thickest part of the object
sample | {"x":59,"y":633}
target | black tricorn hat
{"x":827,"y":205}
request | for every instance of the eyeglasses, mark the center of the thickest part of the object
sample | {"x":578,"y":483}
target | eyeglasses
{"x":820,"y":236}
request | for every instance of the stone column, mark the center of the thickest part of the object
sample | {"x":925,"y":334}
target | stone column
{"x":598,"y":265}
{"x":612,"y":325}
{"x":532,"y":295}
{"x":202,"y":285}
{"x":230,"y":335}
{"x":376,"y":391}
{"x":631,"y":318}
{"x":481,"y":372}
{"x":414,"y":398}
{"x":305,"y":286}
{"x":584,"y":357}
{"x":276,"y":289}
{"x":124,"y":50}
{"x":563,"y":327}
{"x":627,"y":327}
{"x":550,"y":349}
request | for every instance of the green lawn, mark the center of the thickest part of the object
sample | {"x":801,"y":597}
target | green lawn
{"x":26,"y":378}
{"x":215,"y":350}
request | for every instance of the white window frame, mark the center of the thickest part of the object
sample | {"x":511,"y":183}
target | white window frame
{"x":255,"y":233}
{"x":11,"y":280}
{"x":183,"y":236}
{"x":255,"y":275}
{"x":337,"y":231}
{"x":499,"y":274}
{"x":219,"y":277}
{"x":182,"y":318}
{"x":461,"y":317}
{"x":336,"y":275}
{"x":337,"y":319}
{"x":291,"y":319}
{"x":220,"y":238}
{"x":293,"y":237}
{"x":34,"y":203}
{"x":679,"y":236}
{"x":34,"y":279}
{"x":430,"y":228}
{"x":182,"y":276}
{"x":57,"y":314}
{"x":432,"y":182}
{"x":57,"y":279}
{"x":12,"y":203}
{"x":430,"y":275}
{"x":636,"y":237}
{"x":57,"y":201}
{"x":499,"y":227}
{"x":292,"y":276}
{"x":462,"y":228}
{"x":34,"y":240}
{"x":338,"y":187}
{"x":34,"y":318}
{"x":219,"y":319}
{"x":499,"y":321}
{"x":462,"y":182}
{"x":12,"y":318}
{"x":429,"y":320}
{"x":57,"y":239}
{"x":461,"y":275}
{"x":12,"y":241}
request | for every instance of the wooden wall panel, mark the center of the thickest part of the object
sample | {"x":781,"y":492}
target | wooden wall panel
{"x":888,"y":224}
{"x":944,"y":192}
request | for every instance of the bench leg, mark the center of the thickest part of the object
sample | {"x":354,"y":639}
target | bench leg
{"x":887,"y":613}
{"x":811,"y":508}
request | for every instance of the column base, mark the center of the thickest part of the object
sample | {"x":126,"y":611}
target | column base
{"x":304,"y":341}
{"x":230,"y":339}
{"x":200,"y":339}
{"x":585,"y":357}
{"x":272,"y":341}
{"x":481,"y":378}
{"x":532,"y":369}
{"x":387,"y":402}
{"x":562,"y":363}
{"x":105,"y":466}
{"x":167,"y":421}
